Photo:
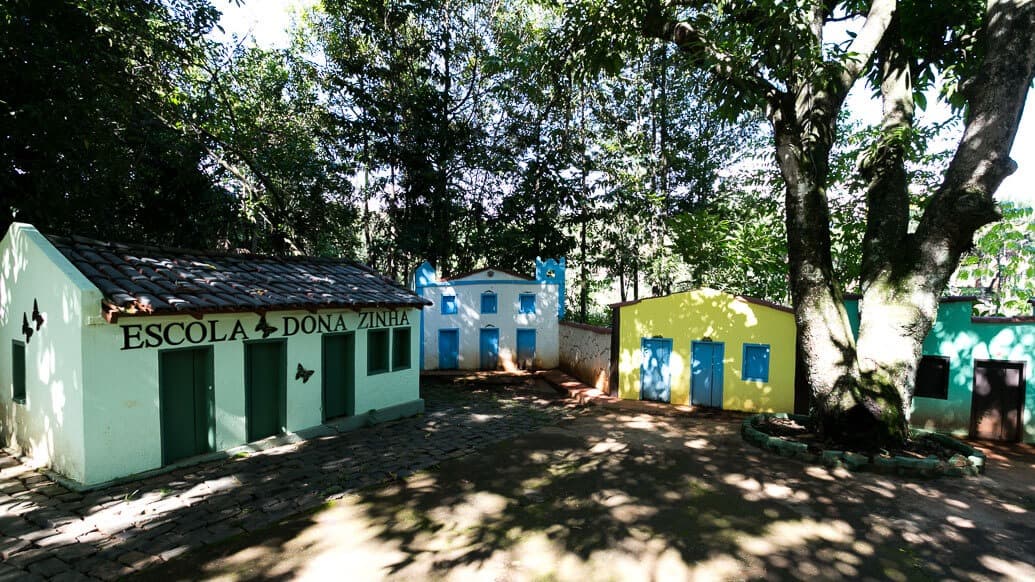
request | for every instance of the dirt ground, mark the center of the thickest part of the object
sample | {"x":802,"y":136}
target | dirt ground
{"x":624,"y":495}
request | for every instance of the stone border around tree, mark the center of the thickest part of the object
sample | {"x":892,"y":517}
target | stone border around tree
{"x":966,"y":461}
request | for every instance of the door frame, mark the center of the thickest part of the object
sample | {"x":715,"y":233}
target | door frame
{"x":499,"y":339}
{"x":722,"y":372}
{"x":517,"y":345}
{"x":281,"y":406}
{"x":210,"y":398}
{"x":438,"y":338}
{"x":1023,"y":381}
{"x":671,"y":348}
{"x":323,"y":374}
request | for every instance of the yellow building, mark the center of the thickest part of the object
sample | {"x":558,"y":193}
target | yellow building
{"x":707,"y":348}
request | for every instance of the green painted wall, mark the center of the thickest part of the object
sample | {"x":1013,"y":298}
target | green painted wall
{"x":963,"y":340}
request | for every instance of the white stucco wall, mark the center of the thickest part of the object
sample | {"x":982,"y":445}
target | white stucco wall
{"x":123,"y":393}
{"x":469,"y":319}
{"x":585,"y":352}
{"x":49,"y":426}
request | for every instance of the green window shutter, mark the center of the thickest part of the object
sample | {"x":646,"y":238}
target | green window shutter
{"x":400,"y":348}
{"x":377,"y":351}
{"x":18,"y":371}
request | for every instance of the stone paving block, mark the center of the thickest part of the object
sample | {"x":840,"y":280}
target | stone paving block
{"x":71,"y":576}
{"x":172,"y":553}
{"x":109,"y":570}
{"x":19,"y":575}
{"x":138,"y":560}
{"x":74,"y":552}
{"x":48,"y":568}
{"x":23,"y":558}
{"x":12,"y":546}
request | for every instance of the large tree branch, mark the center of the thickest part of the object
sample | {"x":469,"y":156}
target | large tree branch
{"x":887,"y":191}
{"x":865,"y":44}
{"x":746,"y":78}
{"x":995,"y":98}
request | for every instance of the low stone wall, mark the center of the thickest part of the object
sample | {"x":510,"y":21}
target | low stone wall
{"x":966,"y":461}
{"x":585,"y":352}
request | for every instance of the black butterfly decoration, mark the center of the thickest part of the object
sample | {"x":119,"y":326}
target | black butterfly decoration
{"x":26,"y":328}
{"x":36,"y":316}
{"x":264,"y":327}
{"x":303,"y":374}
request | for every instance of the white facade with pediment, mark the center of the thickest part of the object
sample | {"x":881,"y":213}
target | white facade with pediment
{"x":491,"y":319}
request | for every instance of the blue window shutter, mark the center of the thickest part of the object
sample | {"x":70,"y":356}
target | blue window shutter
{"x":488,"y":302}
{"x":756,"y":362}
{"x":527,"y":303}
{"x":448,"y":304}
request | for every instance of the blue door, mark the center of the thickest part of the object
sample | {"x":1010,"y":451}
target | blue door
{"x":655,"y":372}
{"x":489,"y":348}
{"x":526,"y":349}
{"x":448,"y":349}
{"x":706,"y":373}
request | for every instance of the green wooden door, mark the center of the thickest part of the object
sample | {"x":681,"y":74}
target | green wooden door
{"x":266,"y":388}
{"x":186,"y":403}
{"x":339,"y":375}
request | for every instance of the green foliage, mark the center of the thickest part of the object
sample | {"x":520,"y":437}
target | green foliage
{"x":83,"y":147}
{"x":1000,"y":269}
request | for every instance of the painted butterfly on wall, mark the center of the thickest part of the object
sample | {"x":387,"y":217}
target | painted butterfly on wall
{"x":36,"y":316}
{"x":304,"y":374}
{"x":26,"y":328}
{"x":264,"y":327}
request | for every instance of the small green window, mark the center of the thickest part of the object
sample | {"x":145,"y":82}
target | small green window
{"x":400,"y":348}
{"x":18,"y":370}
{"x":377,"y":351}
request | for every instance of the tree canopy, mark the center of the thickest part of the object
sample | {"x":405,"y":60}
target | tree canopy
{"x":658,"y":145}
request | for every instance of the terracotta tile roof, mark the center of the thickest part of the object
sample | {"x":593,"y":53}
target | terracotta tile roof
{"x":137,"y":279}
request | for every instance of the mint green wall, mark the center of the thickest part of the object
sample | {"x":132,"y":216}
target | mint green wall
{"x":963,"y":341}
{"x":957,"y":336}
{"x":48,"y":426}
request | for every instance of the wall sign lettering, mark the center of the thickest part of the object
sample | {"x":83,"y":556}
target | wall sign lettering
{"x":176,"y":333}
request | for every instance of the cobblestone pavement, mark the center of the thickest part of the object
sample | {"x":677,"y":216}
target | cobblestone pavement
{"x":50,"y":532}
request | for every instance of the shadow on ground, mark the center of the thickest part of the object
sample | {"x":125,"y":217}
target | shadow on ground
{"x":616,"y":495}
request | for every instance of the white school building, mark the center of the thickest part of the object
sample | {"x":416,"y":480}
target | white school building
{"x":118,"y":359}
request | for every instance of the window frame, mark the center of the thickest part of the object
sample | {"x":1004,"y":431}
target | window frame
{"x":521,"y":303}
{"x":495,"y":302}
{"x":371,"y":369}
{"x":940,"y":392}
{"x":449,"y":300}
{"x":396,"y":331}
{"x":18,"y":372}
{"x":744,"y":373}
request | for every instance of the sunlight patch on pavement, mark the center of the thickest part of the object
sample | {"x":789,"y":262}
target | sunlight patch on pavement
{"x":1010,"y":569}
{"x":787,"y":534}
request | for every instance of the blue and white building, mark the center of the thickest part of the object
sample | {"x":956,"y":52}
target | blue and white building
{"x":491,"y":319}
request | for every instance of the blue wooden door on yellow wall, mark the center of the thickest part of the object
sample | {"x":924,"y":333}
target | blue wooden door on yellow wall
{"x":655,"y":369}
{"x":489,"y":348}
{"x":448,"y":349}
{"x":706,"y":373}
